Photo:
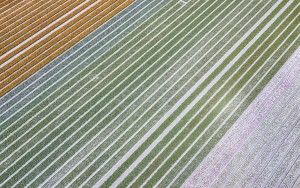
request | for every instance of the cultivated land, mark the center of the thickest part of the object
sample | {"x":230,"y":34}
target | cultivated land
{"x":261,"y":149}
{"x":33,"y":33}
{"x":143,"y":99}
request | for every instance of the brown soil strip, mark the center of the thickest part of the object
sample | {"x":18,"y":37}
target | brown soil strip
{"x":34,"y":42}
{"x":4,"y":3}
{"x":42,"y":53}
{"x":25,"y":14}
{"x":8,"y":6}
{"x":36,"y":24}
{"x":81,"y":21}
{"x":8,"y":12}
